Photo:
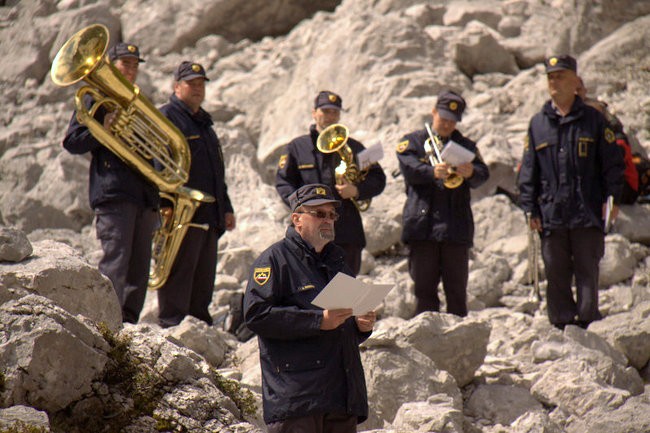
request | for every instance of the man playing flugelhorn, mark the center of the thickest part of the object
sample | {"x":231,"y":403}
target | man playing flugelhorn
{"x":302,"y":163}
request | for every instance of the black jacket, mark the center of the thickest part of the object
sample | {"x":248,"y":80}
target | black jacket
{"x":570,"y":165}
{"x":111,"y":179}
{"x":302,"y":163}
{"x":305,"y":370}
{"x":432,"y":211}
{"x":207,"y":170}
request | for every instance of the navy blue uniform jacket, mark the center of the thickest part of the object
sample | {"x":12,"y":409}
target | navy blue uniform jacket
{"x":570,"y":165}
{"x":111,"y":179}
{"x":305,"y":370}
{"x":302,"y":163}
{"x":433,"y":212}
{"x":207,"y":171}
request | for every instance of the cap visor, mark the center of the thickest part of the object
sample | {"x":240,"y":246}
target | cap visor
{"x":319,"y":201}
{"x":336,"y":107}
{"x":448,"y":115}
{"x":557,"y":68}
{"x":193,"y":76}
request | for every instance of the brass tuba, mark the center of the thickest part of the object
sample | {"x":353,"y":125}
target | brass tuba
{"x":434,"y":144}
{"x":139,"y":135}
{"x":332,"y":139}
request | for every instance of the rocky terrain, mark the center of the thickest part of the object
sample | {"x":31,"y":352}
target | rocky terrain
{"x":68,"y":365}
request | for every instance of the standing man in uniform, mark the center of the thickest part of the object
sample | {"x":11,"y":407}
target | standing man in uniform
{"x":190,"y":285}
{"x":312,"y":377}
{"x":438,"y":224}
{"x":571,"y":165}
{"x":125,"y":203}
{"x":302,"y":163}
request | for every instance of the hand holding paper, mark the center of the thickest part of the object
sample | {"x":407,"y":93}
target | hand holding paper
{"x":347,"y":292}
{"x":455,"y":154}
{"x":370,"y":155}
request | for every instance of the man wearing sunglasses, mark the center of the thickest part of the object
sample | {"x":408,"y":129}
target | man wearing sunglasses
{"x":312,"y":377}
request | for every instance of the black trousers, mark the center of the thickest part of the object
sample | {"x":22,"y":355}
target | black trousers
{"x":352,"y":257}
{"x":189,"y":288}
{"x":125,"y":231}
{"x":568,"y":253}
{"x":429,"y":261}
{"x":327,"y":423}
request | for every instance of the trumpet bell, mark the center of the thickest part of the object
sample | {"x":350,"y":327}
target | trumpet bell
{"x":80,"y":55}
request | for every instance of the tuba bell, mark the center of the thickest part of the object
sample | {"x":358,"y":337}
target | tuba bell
{"x":139,"y":136}
{"x":333,"y":139}
{"x":432,"y":145}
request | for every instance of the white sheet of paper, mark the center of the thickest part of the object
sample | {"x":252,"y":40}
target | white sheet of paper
{"x":455,"y":154}
{"x":370,"y":155}
{"x":347,"y":292}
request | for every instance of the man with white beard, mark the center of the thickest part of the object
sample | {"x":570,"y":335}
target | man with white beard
{"x":312,"y":377}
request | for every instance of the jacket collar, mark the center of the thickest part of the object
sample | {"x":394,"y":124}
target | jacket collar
{"x":330,"y":255}
{"x":576,"y":112}
{"x":201,"y":116}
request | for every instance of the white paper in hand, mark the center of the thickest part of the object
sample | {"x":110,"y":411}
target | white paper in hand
{"x":347,"y":292}
{"x":455,"y":154}
{"x":370,"y":155}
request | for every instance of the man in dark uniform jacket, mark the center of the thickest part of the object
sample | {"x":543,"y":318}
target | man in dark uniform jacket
{"x":571,"y":164}
{"x":302,"y":163}
{"x":125,"y":203}
{"x":312,"y":377}
{"x":190,"y":285}
{"x":438,"y":225}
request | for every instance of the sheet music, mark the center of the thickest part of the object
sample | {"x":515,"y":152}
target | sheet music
{"x":345,"y":291}
{"x":370,"y":155}
{"x":455,"y":154}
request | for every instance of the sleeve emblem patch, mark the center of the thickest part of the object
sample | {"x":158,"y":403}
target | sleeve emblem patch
{"x":609,"y":136}
{"x":402,"y":146}
{"x":262,"y":275}
{"x":283,"y":161}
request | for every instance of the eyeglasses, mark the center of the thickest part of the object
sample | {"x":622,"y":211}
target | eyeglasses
{"x":321,"y":214}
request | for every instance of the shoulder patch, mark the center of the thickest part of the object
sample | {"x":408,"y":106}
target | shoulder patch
{"x":262,"y":275}
{"x":283,"y":161}
{"x":402,"y":146}
{"x":609,"y":136}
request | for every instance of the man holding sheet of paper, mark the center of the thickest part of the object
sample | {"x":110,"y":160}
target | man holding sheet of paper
{"x":312,"y":377}
{"x":438,"y":225}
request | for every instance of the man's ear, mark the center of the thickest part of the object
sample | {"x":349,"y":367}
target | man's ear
{"x":295,"y":218}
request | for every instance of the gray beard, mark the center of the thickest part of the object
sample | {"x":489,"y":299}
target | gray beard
{"x":326,"y":236}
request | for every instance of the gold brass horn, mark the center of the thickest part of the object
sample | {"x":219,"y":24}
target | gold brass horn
{"x":332,"y":139}
{"x":139,"y":135}
{"x":434,"y":144}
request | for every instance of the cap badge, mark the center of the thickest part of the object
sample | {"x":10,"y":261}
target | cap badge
{"x":552,"y":61}
{"x":332,"y":98}
{"x":196,"y":68}
{"x":131,"y":48}
{"x":610,"y":137}
{"x":453,"y":106}
{"x":320,"y":191}
{"x":262,"y":275}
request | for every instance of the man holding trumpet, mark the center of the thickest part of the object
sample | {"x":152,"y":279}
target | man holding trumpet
{"x":438,"y":225}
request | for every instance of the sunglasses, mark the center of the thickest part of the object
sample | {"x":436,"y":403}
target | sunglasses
{"x":321,"y":214}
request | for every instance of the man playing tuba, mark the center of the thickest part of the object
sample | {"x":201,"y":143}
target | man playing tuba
{"x":125,"y":203}
{"x":303,"y":163}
